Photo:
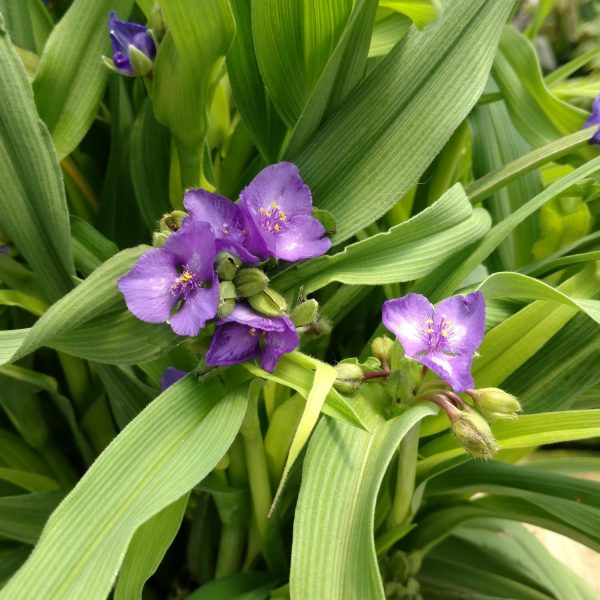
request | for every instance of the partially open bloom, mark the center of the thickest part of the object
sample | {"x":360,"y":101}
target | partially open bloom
{"x":178,"y":276}
{"x":277,"y":211}
{"x":244,"y":335}
{"x":225,"y":218}
{"x":443,"y":338}
{"x":171,"y":376}
{"x":133,"y":47}
{"x":594,"y":119}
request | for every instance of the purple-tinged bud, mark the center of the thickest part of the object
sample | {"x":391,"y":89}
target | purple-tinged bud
{"x":349,"y":377}
{"x":250,"y":282}
{"x":305,"y":313}
{"x":134,"y":49}
{"x":268,"y":302}
{"x":473,"y":433}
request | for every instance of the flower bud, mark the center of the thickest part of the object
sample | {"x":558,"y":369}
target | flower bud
{"x":134,"y":48}
{"x":495,"y":401}
{"x":305,"y":313}
{"x":159,"y":238}
{"x":474,"y":433}
{"x":268,"y":302}
{"x":349,"y":377}
{"x":381,"y":348}
{"x":250,"y":282}
{"x":140,"y":63}
{"x":156,"y":23}
{"x":171,"y":222}
{"x":226,"y":266}
{"x":227,"y":297}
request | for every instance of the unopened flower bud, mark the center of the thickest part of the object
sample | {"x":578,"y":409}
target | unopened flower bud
{"x":495,"y":401}
{"x":474,"y":433}
{"x":349,"y":377}
{"x":159,"y":238}
{"x":156,"y":23}
{"x":227,"y":297}
{"x":305,"y":313}
{"x":381,"y":348}
{"x":140,"y":63}
{"x":134,"y":48}
{"x":226,"y":266}
{"x":171,"y":222}
{"x":268,"y":302}
{"x":250,"y":282}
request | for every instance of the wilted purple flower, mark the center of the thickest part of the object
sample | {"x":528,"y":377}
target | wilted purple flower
{"x":594,"y":119}
{"x":443,"y":337}
{"x":171,"y":376}
{"x":277,"y":211}
{"x":244,"y":335}
{"x":179,"y":275}
{"x":124,"y":36}
{"x":226,"y":219}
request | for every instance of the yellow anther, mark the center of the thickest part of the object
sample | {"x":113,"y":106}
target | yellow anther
{"x":185,"y":277}
{"x":429,"y":321}
{"x":252,"y":331}
{"x":268,"y":214}
{"x":445,"y":332}
{"x":261,"y":210}
{"x":282,"y":216}
{"x":448,"y":323}
{"x":274,"y":204}
{"x":276,"y":228}
{"x":429,"y":330}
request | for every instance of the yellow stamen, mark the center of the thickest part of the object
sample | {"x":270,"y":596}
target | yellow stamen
{"x":268,"y":214}
{"x":274,"y":204}
{"x":185,"y":277}
{"x":261,"y":210}
{"x":429,"y":321}
{"x":282,"y":216}
{"x":276,"y":227}
{"x":429,"y":330}
{"x":445,"y":332}
{"x":252,"y":331}
{"x":448,"y":323}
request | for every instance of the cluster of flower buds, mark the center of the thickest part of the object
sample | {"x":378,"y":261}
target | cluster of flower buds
{"x":440,"y":340}
{"x":208,"y":264}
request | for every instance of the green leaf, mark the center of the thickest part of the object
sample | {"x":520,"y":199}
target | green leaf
{"x":537,"y":114}
{"x":389,"y":29}
{"x":32,"y":482}
{"x":161,"y":455}
{"x":242,"y":586}
{"x":405,"y":252}
{"x":445,"y":279}
{"x":33,"y":208}
{"x":383,"y":137}
{"x":293,"y":40}
{"x":333,"y":554}
{"x":90,"y":247}
{"x":421,"y":12}
{"x":256,"y":108}
{"x":147,"y":548}
{"x":71,"y":78}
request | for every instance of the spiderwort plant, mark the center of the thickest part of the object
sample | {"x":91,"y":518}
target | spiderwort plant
{"x":179,"y":276}
{"x":134,"y":48}
{"x":594,"y":119}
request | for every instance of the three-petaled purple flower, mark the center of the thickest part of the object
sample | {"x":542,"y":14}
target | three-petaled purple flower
{"x":128,"y":38}
{"x":244,"y":335}
{"x":225,"y":217}
{"x":594,"y":119}
{"x":179,"y":276}
{"x":443,"y":338}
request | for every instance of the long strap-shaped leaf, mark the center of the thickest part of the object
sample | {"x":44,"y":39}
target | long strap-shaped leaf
{"x":403,"y":253}
{"x":156,"y":459}
{"x":398,"y":119}
{"x":333,"y":555}
{"x":33,"y":208}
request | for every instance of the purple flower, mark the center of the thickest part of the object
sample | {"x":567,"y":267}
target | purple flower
{"x":443,"y":337}
{"x":277,"y":211}
{"x":594,"y":119}
{"x":179,"y":275}
{"x":125,"y":35}
{"x":4,"y":250}
{"x":226,"y":219}
{"x":244,"y":335}
{"x":171,"y":376}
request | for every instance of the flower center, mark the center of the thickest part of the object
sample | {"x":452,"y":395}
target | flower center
{"x":437,"y":333}
{"x":185,"y":283}
{"x":272,"y":219}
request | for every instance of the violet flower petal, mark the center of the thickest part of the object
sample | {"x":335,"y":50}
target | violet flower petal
{"x":594,"y":119}
{"x":124,"y":34}
{"x":171,"y":376}
{"x":406,"y":318}
{"x":147,"y":287}
{"x":194,"y":246}
{"x":244,"y":315}
{"x":456,"y":370}
{"x":465,"y":316}
{"x":278,"y":343}
{"x":232,"y":343}
{"x":200,"y":305}
{"x":302,"y":239}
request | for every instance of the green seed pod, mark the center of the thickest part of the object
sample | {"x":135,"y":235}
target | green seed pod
{"x":268,"y":302}
{"x":227,"y":297}
{"x":305,"y":313}
{"x":226,"y":266}
{"x":171,"y":222}
{"x":250,"y":282}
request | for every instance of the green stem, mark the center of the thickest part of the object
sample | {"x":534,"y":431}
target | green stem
{"x":78,"y":381}
{"x":190,"y":166}
{"x":231,"y":547}
{"x":405,"y":479}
